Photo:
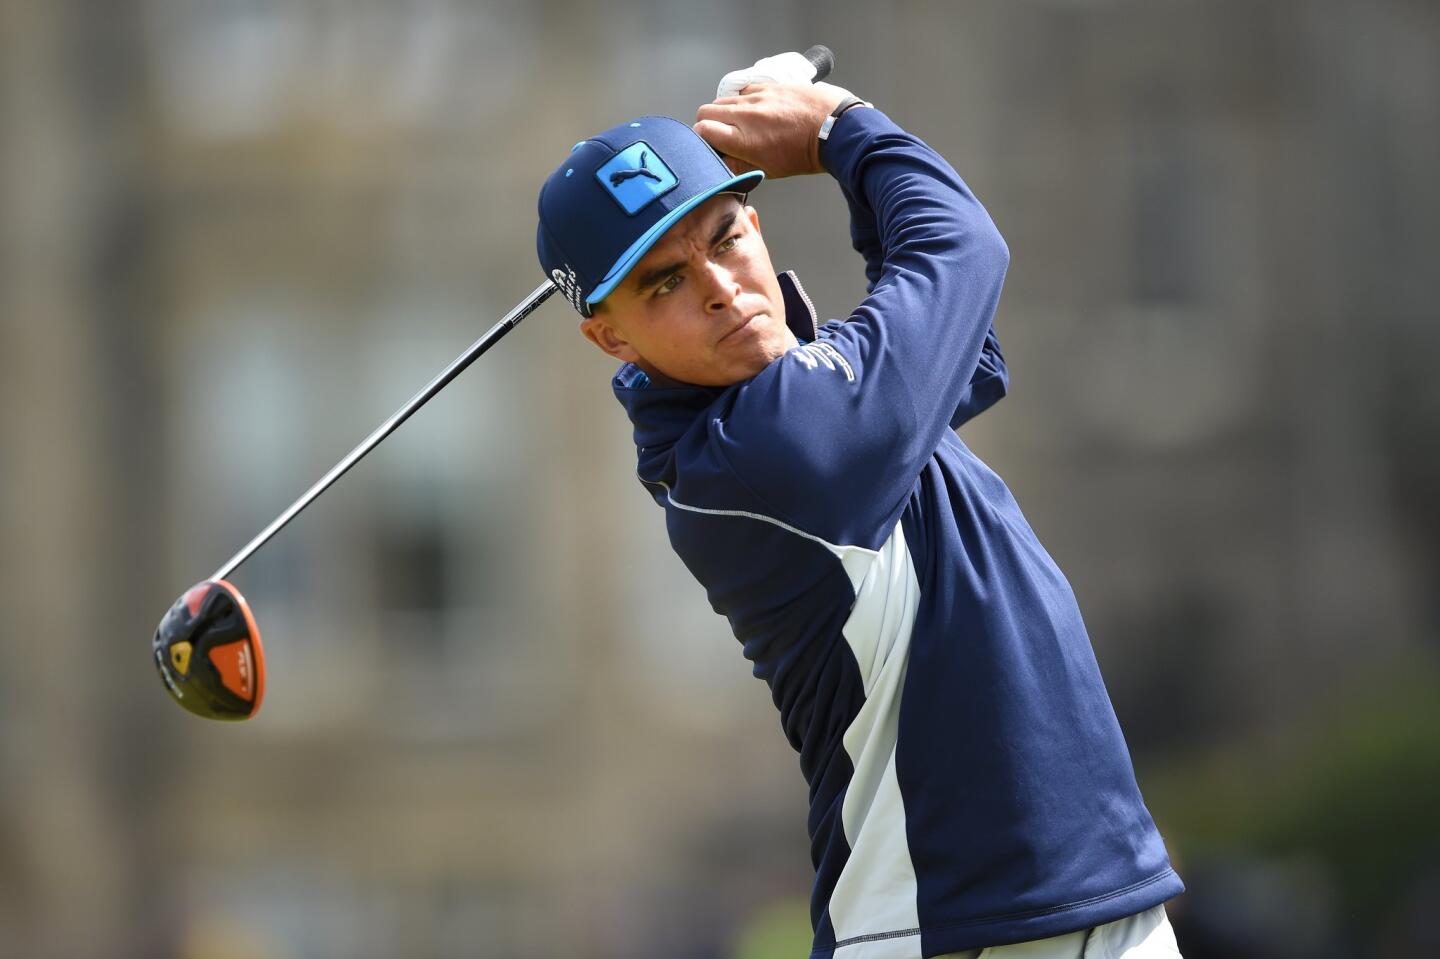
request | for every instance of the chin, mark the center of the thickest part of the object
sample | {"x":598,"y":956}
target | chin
{"x":755,"y":366}
{"x":729,"y":370}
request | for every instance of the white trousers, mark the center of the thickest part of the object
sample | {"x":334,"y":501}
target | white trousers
{"x":1145,"y":935}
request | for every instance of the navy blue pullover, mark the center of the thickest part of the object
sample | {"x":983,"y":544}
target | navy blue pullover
{"x":969,"y":784}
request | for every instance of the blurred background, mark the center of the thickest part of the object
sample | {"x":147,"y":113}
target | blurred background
{"x":501,"y":718}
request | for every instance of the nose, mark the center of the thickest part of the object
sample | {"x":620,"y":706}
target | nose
{"x":721,"y":290}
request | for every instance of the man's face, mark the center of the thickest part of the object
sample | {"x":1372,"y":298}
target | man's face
{"x":703,"y":306}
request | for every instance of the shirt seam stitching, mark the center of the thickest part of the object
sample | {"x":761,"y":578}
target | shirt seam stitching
{"x":746,"y":514}
{"x":735,"y":474}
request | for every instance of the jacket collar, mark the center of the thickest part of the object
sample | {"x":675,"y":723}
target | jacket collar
{"x":800,"y":313}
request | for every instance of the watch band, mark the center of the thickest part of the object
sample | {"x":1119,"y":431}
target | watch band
{"x":839,"y":111}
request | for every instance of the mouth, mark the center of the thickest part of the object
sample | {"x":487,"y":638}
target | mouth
{"x":740,"y":327}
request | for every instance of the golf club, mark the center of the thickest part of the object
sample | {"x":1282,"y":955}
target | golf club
{"x":207,"y":647}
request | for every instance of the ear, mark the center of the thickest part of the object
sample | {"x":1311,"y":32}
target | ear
{"x":754,"y":216}
{"x":598,"y":330}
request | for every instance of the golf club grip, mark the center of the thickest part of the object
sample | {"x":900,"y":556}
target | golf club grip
{"x":822,"y":58}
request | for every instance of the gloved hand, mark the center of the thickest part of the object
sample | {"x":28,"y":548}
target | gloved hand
{"x":789,"y":67}
{"x":773,"y":127}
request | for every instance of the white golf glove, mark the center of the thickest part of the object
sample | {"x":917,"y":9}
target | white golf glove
{"x":789,"y":67}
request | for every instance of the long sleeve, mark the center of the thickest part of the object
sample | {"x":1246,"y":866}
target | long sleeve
{"x":834,"y":447}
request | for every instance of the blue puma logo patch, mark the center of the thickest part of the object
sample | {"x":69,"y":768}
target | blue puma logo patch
{"x":636,"y":176}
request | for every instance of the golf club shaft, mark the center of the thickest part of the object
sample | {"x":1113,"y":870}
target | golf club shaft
{"x":491,"y":337}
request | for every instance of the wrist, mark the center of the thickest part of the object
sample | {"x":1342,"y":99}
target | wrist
{"x":852,"y":140}
{"x":841,"y":108}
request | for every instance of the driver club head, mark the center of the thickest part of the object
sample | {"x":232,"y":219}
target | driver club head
{"x":207,"y":649}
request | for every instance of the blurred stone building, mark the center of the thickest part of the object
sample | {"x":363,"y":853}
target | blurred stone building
{"x":501,"y":720}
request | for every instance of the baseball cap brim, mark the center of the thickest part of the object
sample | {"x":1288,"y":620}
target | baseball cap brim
{"x":743,"y":183}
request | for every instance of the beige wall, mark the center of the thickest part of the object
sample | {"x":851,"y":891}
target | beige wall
{"x":501,"y":720}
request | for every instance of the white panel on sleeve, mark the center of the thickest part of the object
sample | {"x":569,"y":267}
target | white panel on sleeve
{"x":874,"y":901}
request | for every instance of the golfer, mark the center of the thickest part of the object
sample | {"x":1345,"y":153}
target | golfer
{"x":969,"y":785}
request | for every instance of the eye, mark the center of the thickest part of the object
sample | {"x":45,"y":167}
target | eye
{"x":671,"y":282}
{"x":728,"y":244}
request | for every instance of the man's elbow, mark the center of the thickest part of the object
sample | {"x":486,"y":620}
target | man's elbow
{"x":996,"y":252}
{"x":980,"y":253}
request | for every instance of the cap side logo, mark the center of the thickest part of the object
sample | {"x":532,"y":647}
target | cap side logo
{"x":568,"y":284}
{"x":635,"y":177}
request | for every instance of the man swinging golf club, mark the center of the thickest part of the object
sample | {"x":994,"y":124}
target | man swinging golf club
{"x":969,"y":785}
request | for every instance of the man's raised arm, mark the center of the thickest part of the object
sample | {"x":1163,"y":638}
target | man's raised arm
{"x":914,"y":348}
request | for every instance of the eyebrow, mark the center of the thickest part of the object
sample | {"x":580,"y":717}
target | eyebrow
{"x":662,"y":273}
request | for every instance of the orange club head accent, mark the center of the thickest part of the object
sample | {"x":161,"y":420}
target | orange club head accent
{"x":207,"y":649}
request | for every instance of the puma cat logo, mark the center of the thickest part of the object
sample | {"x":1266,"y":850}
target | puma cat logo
{"x":620,"y":176}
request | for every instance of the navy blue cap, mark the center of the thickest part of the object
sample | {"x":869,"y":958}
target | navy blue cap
{"x":614,"y":197}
